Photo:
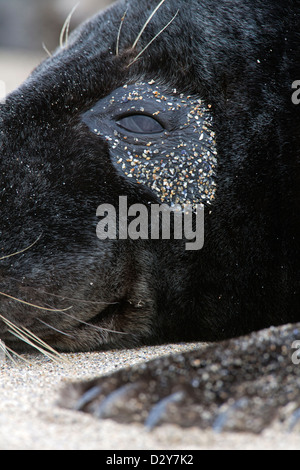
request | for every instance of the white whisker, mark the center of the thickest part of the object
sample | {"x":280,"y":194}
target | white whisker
{"x":21,"y":251}
{"x":64,"y":35}
{"x":10,"y":353}
{"x":6,"y":352}
{"x":33,"y":305}
{"x":63,"y":297}
{"x":46,"y":49}
{"x":152,"y":40}
{"x":119,"y":32}
{"x":46,"y":346}
{"x":74,"y":299}
{"x":26,"y":340}
{"x":146,"y":24}
{"x":34,"y":341}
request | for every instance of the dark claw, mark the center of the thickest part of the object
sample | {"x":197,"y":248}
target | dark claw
{"x":108,"y":406}
{"x":295,"y":419}
{"x":225,"y":417}
{"x":159,"y":410}
{"x":87,"y":398}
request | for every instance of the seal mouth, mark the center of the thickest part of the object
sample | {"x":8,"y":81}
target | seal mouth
{"x":120,"y":324}
{"x":109,"y":312}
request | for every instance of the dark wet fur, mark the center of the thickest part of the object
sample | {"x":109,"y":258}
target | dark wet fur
{"x":238,"y":57}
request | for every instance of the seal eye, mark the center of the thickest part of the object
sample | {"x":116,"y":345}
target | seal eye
{"x":140,"y":124}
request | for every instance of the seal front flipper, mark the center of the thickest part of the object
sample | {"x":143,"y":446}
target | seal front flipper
{"x":244,"y":384}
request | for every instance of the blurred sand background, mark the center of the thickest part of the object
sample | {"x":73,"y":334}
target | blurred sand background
{"x":29,"y":416}
{"x":15,"y":66}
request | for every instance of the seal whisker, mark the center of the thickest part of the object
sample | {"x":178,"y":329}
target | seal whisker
{"x":10,"y":353}
{"x":64,"y":34}
{"x":119,"y":32}
{"x":62,"y":297}
{"x":7,"y":352}
{"x":46,"y":49}
{"x":152,"y":40}
{"x":146,"y":24}
{"x":31,"y":339}
{"x":74,"y":299}
{"x":55,"y":357}
{"x":21,"y":251}
{"x":33,"y":305}
{"x":46,"y":348}
{"x":95,"y":327}
{"x":55,"y":329}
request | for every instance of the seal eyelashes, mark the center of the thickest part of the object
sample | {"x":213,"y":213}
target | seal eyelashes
{"x":119,"y":32}
{"x":146,"y":24}
{"x":64,"y":34}
{"x":154,"y":12}
{"x":152,"y":40}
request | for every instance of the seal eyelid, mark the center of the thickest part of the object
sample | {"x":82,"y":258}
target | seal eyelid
{"x":140,"y":124}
